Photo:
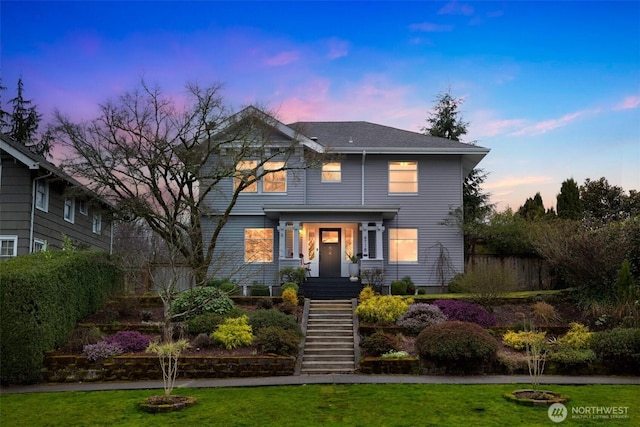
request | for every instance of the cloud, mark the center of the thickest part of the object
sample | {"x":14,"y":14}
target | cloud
{"x":629,"y":103}
{"x":455,"y":8}
{"x":517,"y":181}
{"x":429,"y":27}
{"x":282,"y":58}
{"x":548,"y":125}
{"x":337,"y":48}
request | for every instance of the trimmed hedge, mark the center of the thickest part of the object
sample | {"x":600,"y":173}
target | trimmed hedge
{"x":42,"y":297}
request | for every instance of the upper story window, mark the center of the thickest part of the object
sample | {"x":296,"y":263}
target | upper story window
{"x":83,"y":208}
{"x":42,"y":195}
{"x":97,"y":224}
{"x":403,"y":177}
{"x":69,"y":210}
{"x":331,"y":172}
{"x":8,"y":246}
{"x":276,"y":181}
{"x":271,"y":182}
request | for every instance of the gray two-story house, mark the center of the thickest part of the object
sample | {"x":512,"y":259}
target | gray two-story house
{"x":384,"y":196}
{"x":40,"y":204}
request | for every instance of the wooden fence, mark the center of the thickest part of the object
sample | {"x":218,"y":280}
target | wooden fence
{"x":533,"y":273}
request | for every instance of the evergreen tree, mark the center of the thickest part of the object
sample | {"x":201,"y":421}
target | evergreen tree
{"x":533,"y":208}
{"x":446,"y":122}
{"x":568,"y":201}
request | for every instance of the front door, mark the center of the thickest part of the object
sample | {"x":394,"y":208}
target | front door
{"x":330,"y":259}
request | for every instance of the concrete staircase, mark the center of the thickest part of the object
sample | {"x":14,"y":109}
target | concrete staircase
{"x":330,"y":341}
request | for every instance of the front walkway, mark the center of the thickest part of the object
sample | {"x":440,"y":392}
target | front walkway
{"x":321,"y":379}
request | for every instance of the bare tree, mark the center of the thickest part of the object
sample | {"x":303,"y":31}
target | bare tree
{"x":159,"y":161}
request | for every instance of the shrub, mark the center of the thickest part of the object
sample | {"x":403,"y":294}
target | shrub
{"x":378,"y":343}
{"x":466,"y":312}
{"x":225,"y":285}
{"x":203,"y":340}
{"x":578,"y":337}
{"x":264,"y":304}
{"x":520,"y":340}
{"x":383,"y":308}
{"x":287,"y":308}
{"x":460,"y":346}
{"x":200,"y":300}
{"x":261,"y":319}
{"x":399,"y":287}
{"x":259,"y":290}
{"x":395,"y":355}
{"x":293,"y":274}
{"x":290,"y":285}
{"x":568,"y":357}
{"x":366,"y":293}
{"x":42,"y":297}
{"x":419,"y":316}
{"x":487,"y":282}
{"x":234,"y":332}
{"x":101,"y":350}
{"x":619,"y":347}
{"x":290,"y":296}
{"x":204,"y":323}
{"x":81,"y":337}
{"x":129,"y":341}
{"x":543,"y":312}
{"x":627,"y":290}
{"x":274,"y":339}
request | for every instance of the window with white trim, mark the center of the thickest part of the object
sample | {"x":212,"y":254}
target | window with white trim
{"x":403,"y":177}
{"x":8,"y":246}
{"x":271,"y":182}
{"x":97,"y":224}
{"x":42,"y":195}
{"x":403,"y":245}
{"x":69,"y":210}
{"x":39,"y":245}
{"x":83,"y":207}
{"x":332,"y":172}
{"x":258,"y":245}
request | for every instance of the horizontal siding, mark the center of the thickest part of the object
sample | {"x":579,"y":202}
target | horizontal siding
{"x":346,"y":192}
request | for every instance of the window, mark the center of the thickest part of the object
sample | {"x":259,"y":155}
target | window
{"x":403,"y":177}
{"x":69,"y":210}
{"x":274,"y":182}
{"x":271,"y":182}
{"x":83,"y":208}
{"x":42,"y":195}
{"x":331,"y":172}
{"x":39,"y":245}
{"x":8,"y":246}
{"x":258,"y":245}
{"x":403,"y":245}
{"x":97,"y":224}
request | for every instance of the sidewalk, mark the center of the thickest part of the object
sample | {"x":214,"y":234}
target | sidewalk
{"x":319,"y":379}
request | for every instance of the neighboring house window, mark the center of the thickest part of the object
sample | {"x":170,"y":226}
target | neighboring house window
{"x":97,"y":224}
{"x":274,"y":182}
{"x":258,"y":245}
{"x":69,"y":210}
{"x":83,"y":208}
{"x":271,"y":182}
{"x":42,"y":195}
{"x":403,"y":245}
{"x":39,"y":245}
{"x":403,"y":177}
{"x":8,"y":246}
{"x":331,"y":172}
{"x":245,"y":171}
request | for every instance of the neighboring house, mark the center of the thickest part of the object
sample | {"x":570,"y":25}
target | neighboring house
{"x":39,"y":204}
{"x":385,"y":199}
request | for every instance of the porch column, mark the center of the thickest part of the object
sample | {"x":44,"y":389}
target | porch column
{"x":282,"y":247}
{"x":364,"y":228}
{"x":297,"y":226}
{"x":379,"y":242}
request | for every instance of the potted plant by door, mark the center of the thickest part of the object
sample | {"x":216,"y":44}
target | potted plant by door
{"x":354,"y":268}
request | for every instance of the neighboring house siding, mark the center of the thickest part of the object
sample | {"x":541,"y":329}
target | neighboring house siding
{"x":15,"y":201}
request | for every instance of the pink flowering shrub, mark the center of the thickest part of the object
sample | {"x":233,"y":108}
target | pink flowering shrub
{"x":129,"y":341}
{"x":463,"y":311}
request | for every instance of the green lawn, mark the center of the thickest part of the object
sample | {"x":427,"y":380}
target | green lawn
{"x":317,"y":405}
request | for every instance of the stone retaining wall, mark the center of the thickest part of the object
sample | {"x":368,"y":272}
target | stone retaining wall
{"x":71,"y":368}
